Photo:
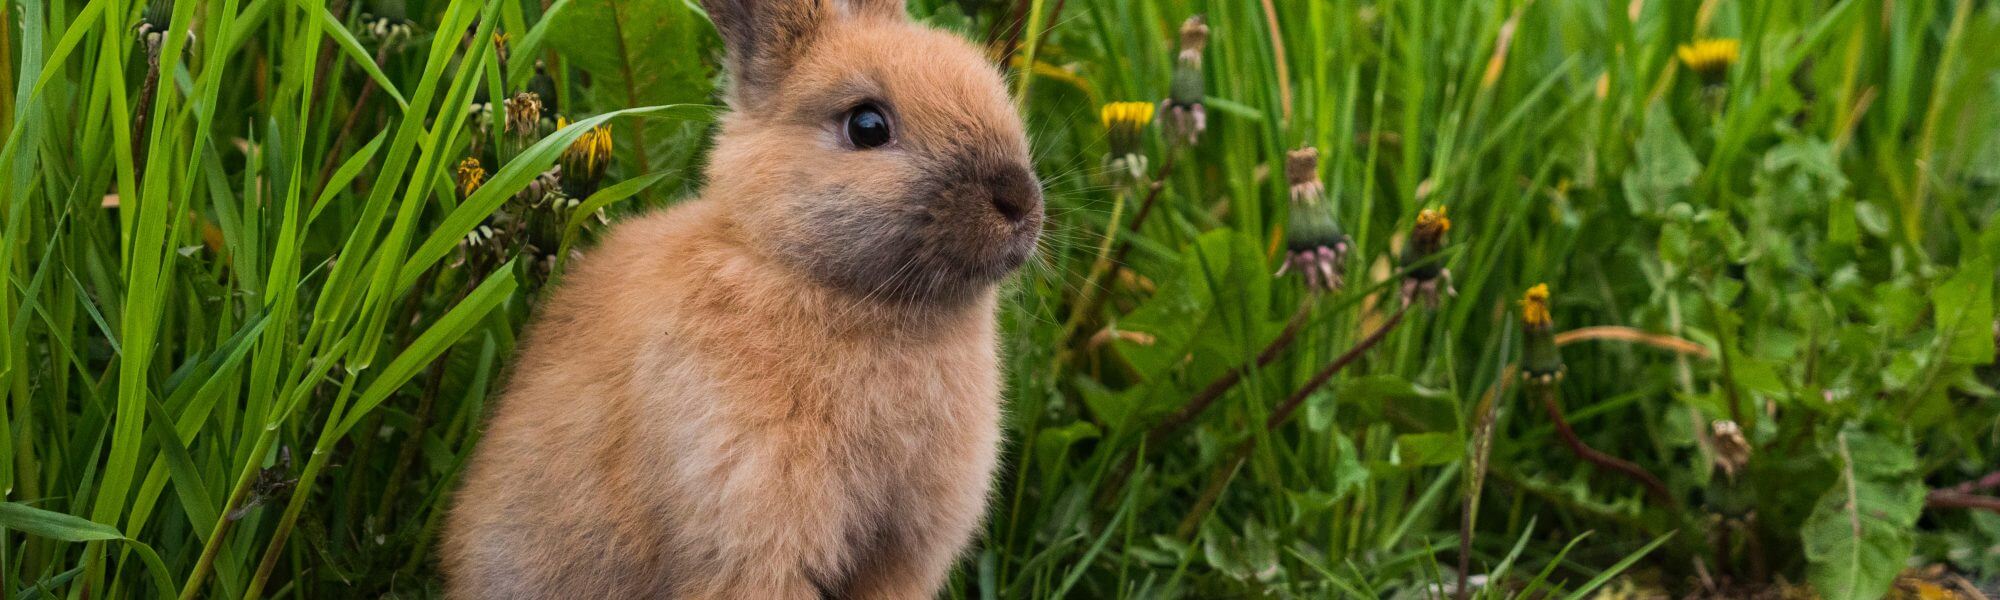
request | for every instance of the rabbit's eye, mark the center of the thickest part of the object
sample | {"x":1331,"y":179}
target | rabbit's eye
{"x":867,"y":127}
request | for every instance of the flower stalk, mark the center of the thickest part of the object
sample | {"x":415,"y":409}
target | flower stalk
{"x":1541,"y":378}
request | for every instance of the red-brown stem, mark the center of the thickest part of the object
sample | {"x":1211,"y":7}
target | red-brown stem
{"x":1601,"y":460}
{"x":1989,"y":481}
{"x":1326,"y":374}
{"x":1278,"y":417}
{"x":1939,"y":499}
{"x":1200,"y":401}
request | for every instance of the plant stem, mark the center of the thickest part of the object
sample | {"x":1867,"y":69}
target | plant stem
{"x":1601,"y":460}
{"x":1221,"y":476}
{"x":1939,"y":499}
{"x":1201,"y":400}
{"x":1108,"y":268}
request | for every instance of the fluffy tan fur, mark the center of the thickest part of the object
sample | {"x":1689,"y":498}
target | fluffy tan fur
{"x":787,"y":388}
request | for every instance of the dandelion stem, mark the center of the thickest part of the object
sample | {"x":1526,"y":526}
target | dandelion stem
{"x":1221,"y":476}
{"x":1595,"y":457}
{"x":1108,"y":268}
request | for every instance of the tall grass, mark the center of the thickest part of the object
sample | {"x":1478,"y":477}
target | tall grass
{"x":248,"y":349}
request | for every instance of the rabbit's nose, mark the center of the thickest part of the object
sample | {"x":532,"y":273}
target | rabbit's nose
{"x":1015,"y":193}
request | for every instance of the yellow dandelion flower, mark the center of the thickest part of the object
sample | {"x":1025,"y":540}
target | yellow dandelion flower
{"x":1710,"y":58}
{"x":1124,"y":127}
{"x":1535,"y":306}
{"x":586,"y":158}
{"x":1432,"y":223}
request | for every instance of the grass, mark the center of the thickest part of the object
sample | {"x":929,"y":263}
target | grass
{"x":249,"y":347}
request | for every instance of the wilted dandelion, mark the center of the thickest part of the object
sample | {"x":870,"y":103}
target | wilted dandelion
{"x":1732,"y":449}
{"x":500,"y":47}
{"x":1428,"y":278}
{"x":1124,"y":128}
{"x":584,"y":161}
{"x":1540,"y":361}
{"x":469,"y":176}
{"x":524,"y":114}
{"x":1710,"y":58}
{"x":1315,"y":247}
{"x":1182,"y":112}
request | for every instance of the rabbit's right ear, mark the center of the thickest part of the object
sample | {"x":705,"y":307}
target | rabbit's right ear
{"x":763,"y":39}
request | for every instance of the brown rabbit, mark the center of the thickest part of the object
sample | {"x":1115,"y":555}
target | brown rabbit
{"x":787,"y":388}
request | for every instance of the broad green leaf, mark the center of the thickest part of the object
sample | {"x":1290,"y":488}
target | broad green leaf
{"x":1964,"y":309}
{"x":638,"y":53}
{"x":1861,"y":530}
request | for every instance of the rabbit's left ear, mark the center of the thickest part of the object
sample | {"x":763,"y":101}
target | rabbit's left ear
{"x":765,"y":38}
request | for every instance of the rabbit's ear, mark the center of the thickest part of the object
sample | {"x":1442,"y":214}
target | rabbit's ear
{"x":764,"y":38}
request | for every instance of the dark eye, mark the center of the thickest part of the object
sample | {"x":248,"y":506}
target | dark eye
{"x":867,"y":127}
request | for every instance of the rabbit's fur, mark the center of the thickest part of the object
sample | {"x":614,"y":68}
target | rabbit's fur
{"x":788,"y":387}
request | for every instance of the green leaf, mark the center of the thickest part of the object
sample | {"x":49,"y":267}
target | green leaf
{"x":1428,"y":449}
{"x":71,"y":528}
{"x":1964,"y":309}
{"x":638,"y":53}
{"x":1861,"y":531}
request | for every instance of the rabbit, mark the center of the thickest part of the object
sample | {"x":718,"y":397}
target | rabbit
{"x":788,"y":386}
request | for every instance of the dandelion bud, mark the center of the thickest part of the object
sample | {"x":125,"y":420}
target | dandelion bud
{"x":1315,"y":247}
{"x":1710,"y":58}
{"x":584,"y":161}
{"x":1732,"y":450}
{"x":469,"y":177}
{"x":524,"y":114}
{"x":1124,"y":128}
{"x":1427,"y":279}
{"x":1541,"y":362}
{"x":1182,"y":112}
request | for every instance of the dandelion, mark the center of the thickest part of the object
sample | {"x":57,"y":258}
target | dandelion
{"x":1125,"y":127}
{"x":469,"y":176}
{"x":152,"y":27}
{"x":1540,"y":361}
{"x":1710,"y":58}
{"x":524,"y":114}
{"x":1732,"y":450}
{"x":1182,"y":112}
{"x":500,"y":49}
{"x":1427,"y":279}
{"x":1315,"y":247}
{"x":584,"y":161}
